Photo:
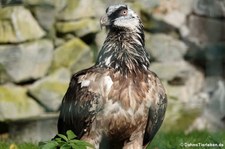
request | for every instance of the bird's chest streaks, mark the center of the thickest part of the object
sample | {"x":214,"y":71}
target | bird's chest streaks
{"x":129,"y":91}
{"x":115,"y":120}
{"x":123,"y":101}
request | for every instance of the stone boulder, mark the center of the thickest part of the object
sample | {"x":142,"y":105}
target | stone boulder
{"x":80,"y":27}
{"x":205,"y":30}
{"x":179,"y":116}
{"x":212,"y":116}
{"x":76,"y":9}
{"x":57,"y":4}
{"x":46,"y":16}
{"x":171,"y":70}
{"x":182,"y":80}
{"x":211,"y":57}
{"x":74,"y":54}
{"x":27,"y":61}
{"x":209,"y":8}
{"x":15,"y":104}
{"x":18,"y":25}
{"x":168,"y":15}
{"x":100,"y":38}
{"x":4,"y":77}
{"x":50,"y":90}
{"x":41,"y":128}
{"x":164,"y":48}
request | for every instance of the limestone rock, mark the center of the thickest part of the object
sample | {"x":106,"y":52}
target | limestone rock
{"x":100,"y":38}
{"x":18,"y":25}
{"x":76,"y":9}
{"x":15,"y":104}
{"x":80,"y":27}
{"x":4,"y":77}
{"x":10,"y":2}
{"x":41,"y":128}
{"x":143,"y":5}
{"x":169,"y":71}
{"x":26,"y":61}
{"x":154,"y":24}
{"x":175,"y":18}
{"x":205,"y":30}
{"x":148,"y":5}
{"x":57,"y":4}
{"x":74,"y":54}
{"x":45,"y":15}
{"x":211,"y":118}
{"x":173,"y":13}
{"x":180,"y":115}
{"x":50,"y":90}
{"x":184,"y":91}
{"x":185,"y":7}
{"x":180,"y":76}
{"x":183,"y":107}
{"x":209,"y":8}
{"x":163,"y":47}
{"x":215,"y":59}
{"x":211,"y":56}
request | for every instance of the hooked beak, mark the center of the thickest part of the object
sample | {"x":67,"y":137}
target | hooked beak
{"x":104,"y":21}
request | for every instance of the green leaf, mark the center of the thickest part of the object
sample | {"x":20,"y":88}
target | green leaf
{"x":42,"y":143}
{"x":70,"y":134}
{"x":82,"y":143}
{"x":63,"y":137}
{"x":50,"y":145}
{"x":58,"y":139}
{"x":65,"y":146}
{"x":75,"y":146}
{"x":61,"y":143}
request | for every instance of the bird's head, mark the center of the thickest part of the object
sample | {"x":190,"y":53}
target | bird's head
{"x":121,"y":17}
{"x":124,"y":46}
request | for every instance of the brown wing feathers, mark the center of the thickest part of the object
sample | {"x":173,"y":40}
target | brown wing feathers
{"x":76,"y":109}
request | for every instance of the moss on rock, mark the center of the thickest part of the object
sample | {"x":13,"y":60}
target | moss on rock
{"x":27,"y":61}
{"x":180,"y":115}
{"x":50,"y":90}
{"x":80,"y":28}
{"x":70,"y":53}
{"x":18,"y":25}
{"x":76,"y":9}
{"x":15,"y":104}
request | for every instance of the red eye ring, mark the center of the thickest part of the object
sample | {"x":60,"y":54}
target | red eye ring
{"x":124,"y":12}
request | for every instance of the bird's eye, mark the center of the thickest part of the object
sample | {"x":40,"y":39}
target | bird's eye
{"x":123,"y":12}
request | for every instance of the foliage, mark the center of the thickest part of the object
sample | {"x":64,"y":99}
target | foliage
{"x":180,"y":140}
{"x":65,"y":142}
{"x":7,"y":145}
{"x":163,"y":140}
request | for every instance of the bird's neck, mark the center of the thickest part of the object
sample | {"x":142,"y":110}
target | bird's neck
{"x":124,"y":51}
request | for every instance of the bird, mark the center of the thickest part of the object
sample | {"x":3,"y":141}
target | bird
{"x":118,"y":103}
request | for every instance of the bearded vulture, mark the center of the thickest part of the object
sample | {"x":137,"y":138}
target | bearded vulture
{"x":117,"y":103}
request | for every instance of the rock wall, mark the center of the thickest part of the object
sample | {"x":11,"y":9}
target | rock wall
{"x":43,"y":42}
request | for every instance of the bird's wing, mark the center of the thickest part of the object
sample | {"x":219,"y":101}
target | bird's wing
{"x":79,"y":105}
{"x":156,"y":111}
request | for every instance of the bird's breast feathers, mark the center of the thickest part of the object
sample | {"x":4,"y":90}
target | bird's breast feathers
{"x":123,"y":99}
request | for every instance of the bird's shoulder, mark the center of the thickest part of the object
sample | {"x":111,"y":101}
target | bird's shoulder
{"x":156,"y":83}
{"x":81,"y":102}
